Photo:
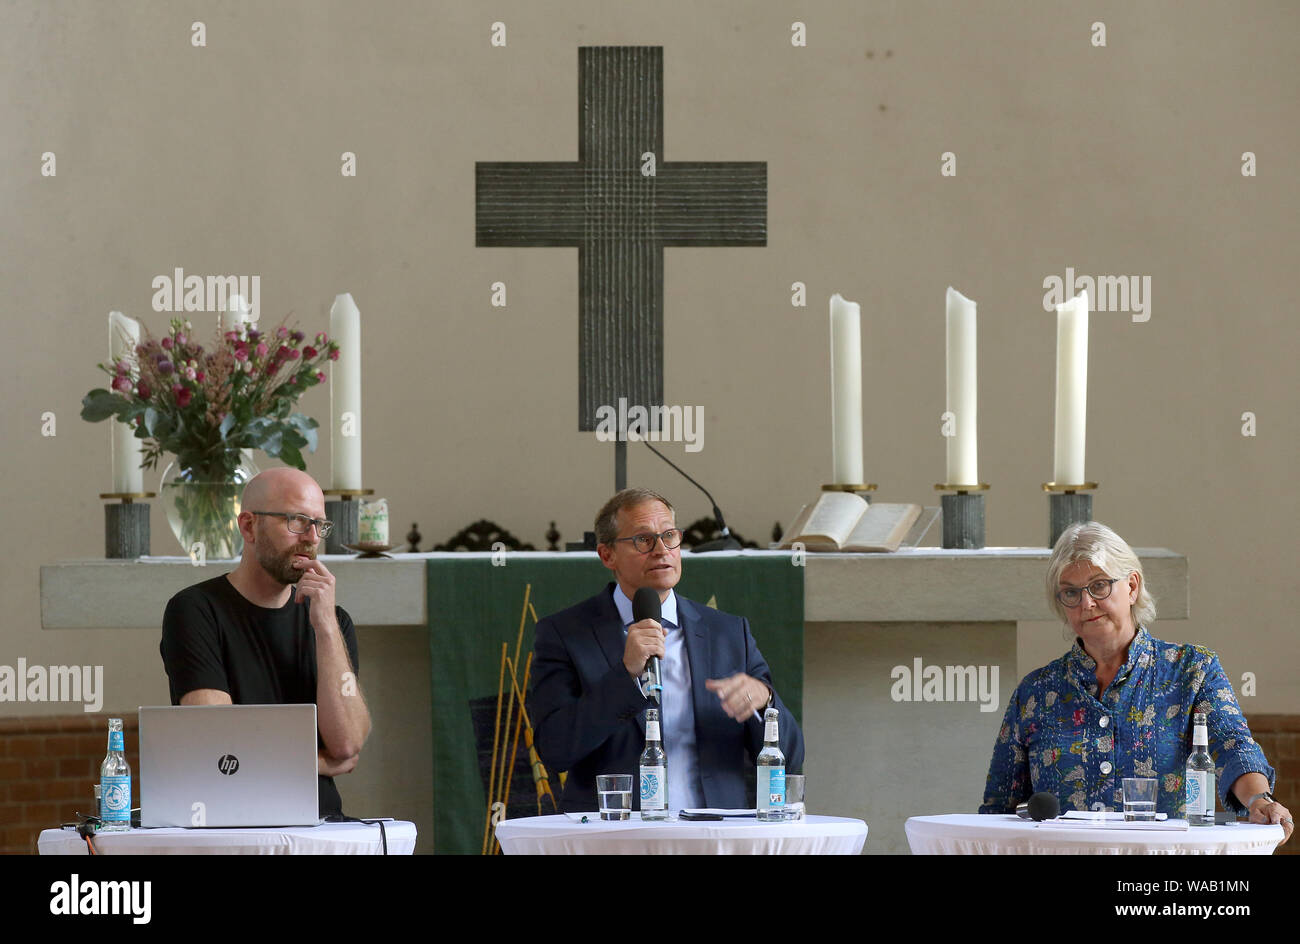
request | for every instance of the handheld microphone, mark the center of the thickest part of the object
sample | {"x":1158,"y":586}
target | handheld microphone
{"x":1040,"y":806}
{"x":646,"y":605}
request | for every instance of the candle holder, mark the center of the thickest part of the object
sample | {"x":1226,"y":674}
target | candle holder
{"x":1067,"y":505}
{"x":346,"y":515}
{"x":126,"y":525}
{"x":963,"y":516}
{"x":862,"y":491}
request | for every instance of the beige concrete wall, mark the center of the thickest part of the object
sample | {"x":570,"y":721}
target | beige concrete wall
{"x":1122,"y":160}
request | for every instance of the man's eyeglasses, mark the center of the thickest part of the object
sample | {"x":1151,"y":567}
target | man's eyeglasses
{"x":645,"y":543}
{"x":1099,"y":590}
{"x":300,"y":524}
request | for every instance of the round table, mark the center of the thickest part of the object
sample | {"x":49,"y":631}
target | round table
{"x":1008,"y":834}
{"x":326,"y":839}
{"x":560,"y":835}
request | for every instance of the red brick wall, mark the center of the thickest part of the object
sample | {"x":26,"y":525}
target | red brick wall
{"x":1279,"y":736}
{"x":48,"y":769}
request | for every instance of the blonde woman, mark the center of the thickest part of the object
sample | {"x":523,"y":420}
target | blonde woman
{"x":1120,"y":702}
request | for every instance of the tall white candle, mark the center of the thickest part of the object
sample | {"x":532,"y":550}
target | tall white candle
{"x":345,"y":393}
{"x":237,"y":312}
{"x":962,"y":390}
{"x":1071,"y":389}
{"x":123,"y":336}
{"x":846,"y":391}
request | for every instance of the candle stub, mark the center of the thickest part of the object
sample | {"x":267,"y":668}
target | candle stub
{"x":372,"y":524}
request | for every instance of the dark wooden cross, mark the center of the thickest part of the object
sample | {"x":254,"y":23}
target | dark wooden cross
{"x":620,"y":220}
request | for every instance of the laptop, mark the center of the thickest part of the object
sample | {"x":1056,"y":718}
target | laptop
{"x":228,"y":765}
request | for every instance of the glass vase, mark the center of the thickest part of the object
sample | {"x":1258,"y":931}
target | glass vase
{"x":204,"y":514}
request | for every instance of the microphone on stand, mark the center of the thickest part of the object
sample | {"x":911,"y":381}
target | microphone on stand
{"x":646,"y":605}
{"x":724,"y":543}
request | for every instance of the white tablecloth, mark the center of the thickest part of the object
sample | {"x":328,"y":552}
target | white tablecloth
{"x":327,"y":839}
{"x":559,"y":835}
{"x":1007,"y":834}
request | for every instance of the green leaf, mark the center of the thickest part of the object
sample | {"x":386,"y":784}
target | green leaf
{"x":227,"y":424}
{"x":151,"y":420}
{"x":290,"y":455}
{"x":100,"y":404}
{"x":273,"y":444}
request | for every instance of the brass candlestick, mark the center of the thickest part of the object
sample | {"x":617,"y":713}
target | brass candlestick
{"x":963,"y":516}
{"x":126,"y":525}
{"x":1067,"y":505}
{"x":346,"y":515}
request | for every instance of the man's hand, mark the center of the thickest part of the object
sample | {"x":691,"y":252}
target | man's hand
{"x":741,"y":695}
{"x":644,"y":639}
{"x":328,"y":766}
{"x":317,"y":585}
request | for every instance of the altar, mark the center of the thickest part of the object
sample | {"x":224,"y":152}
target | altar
{"x":907,"y":662}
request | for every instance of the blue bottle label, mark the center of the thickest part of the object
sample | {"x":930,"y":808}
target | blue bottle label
{"x":116,"y":741}
{"x":115,"y":799}
{"x":771,"y":787}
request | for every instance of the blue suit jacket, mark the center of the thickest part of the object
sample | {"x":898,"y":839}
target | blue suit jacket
{"x":588,"y":713}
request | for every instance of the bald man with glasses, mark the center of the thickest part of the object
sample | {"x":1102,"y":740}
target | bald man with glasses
{"x":270,"y":632}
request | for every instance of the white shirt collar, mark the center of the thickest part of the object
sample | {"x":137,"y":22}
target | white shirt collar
{"x":668,"y":611}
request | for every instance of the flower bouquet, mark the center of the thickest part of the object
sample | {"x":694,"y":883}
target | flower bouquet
{"x":205,"y":405}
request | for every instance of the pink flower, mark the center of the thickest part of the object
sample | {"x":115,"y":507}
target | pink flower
{"x":181,"y":339}
{"x":122,"y":367}
{"x":191,"y":373}
{"x":282,"y":332}
{"x":293,"y":354}
{"x":241,"y":354}
{"x":166,"y":343}
{"x":122,"y":384}
{"x":198,"y":376}
{"x":232,"y":335}
{"x":309,"y":352}
{"x":320,"y":376}
{"x":142,"y":390}
{"x":261,"y":350}
{"x":322,"y":339}
{"x":183,"y":395}
{"x":334,"y":353}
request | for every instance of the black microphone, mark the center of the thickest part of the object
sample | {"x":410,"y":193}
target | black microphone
{"x":724,"y":543}
{"x":1041,"y":806}
{"x":646,"y":605}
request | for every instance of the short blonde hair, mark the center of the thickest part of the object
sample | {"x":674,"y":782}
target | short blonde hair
{"x":1097,"y":544}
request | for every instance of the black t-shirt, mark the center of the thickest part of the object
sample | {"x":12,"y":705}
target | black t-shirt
{"x":212,"y":637}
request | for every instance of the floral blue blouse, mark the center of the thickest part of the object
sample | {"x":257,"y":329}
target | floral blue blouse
{"x":1057,"y":737}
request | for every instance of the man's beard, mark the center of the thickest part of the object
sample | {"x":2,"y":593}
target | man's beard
{"x":279,"y":566}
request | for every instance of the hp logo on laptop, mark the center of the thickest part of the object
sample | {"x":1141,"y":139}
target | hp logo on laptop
{"x":227,"y":764}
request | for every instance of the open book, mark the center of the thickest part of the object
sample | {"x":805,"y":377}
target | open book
{"x":842,"y":521}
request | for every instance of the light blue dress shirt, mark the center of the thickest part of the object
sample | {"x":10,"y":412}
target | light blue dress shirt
{"x":676,"y":710}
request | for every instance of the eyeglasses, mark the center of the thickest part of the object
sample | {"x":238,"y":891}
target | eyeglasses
{"x":299,"y":524}
{"x":1098,"y":590}
{"x":645,"y":543}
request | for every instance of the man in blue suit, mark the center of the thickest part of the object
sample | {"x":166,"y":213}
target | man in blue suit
{"x":587,"y":703}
